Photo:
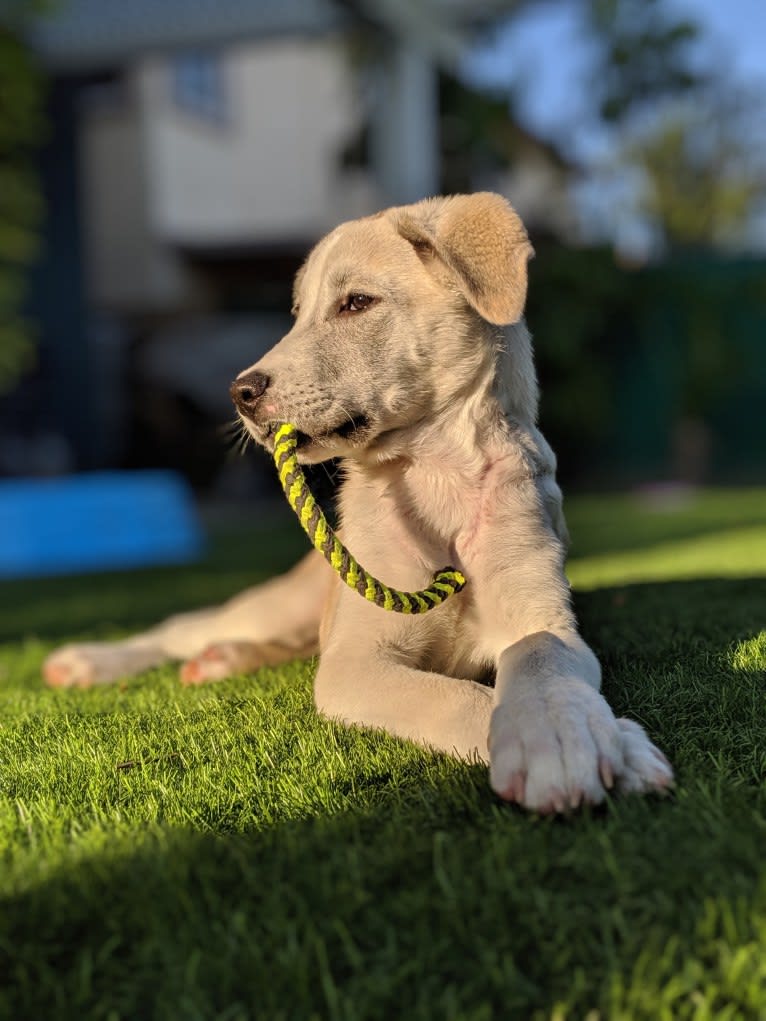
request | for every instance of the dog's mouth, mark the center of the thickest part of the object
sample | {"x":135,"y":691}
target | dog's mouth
{"x":354,"y":429}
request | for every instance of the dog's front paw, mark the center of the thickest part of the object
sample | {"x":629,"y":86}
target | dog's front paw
{"x":555,"y":745}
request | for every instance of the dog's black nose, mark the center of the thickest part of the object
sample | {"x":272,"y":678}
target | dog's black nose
{"x":245,"y":390}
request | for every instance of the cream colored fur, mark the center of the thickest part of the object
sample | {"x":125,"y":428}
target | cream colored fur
{"x":429,"y":395}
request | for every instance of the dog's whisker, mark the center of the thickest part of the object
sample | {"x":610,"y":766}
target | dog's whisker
{"x":235,"y":436}
{"x":235,"y":425}
{"x":332,"y":476}
{"x":350,"y":417}
{"x":244,"y":439}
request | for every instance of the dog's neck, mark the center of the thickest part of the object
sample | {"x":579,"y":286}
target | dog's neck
{"x":439,"y":471}
{"x":515,"y":381}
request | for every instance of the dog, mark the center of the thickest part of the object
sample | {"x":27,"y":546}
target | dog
{"x":409,"y":359}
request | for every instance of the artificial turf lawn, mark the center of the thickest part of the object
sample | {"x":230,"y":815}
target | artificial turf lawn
{"x":223,"y":853}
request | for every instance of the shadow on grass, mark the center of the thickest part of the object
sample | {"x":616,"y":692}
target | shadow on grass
{"x":658,"y":625}
{"x":427,"y":907}
{"x":436,"y":901}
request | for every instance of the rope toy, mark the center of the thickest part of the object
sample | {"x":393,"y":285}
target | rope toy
{"x":445,"y":583}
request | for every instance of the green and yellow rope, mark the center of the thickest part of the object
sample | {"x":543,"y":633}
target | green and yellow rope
{"x":445,"y":583}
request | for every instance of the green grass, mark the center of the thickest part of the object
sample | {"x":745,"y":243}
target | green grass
{"x":223,"y":853}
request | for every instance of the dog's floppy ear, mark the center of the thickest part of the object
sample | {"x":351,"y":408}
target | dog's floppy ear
{"x":482,"y":240}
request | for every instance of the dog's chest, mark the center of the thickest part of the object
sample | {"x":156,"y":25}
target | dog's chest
{"x":402,"y":527}
{"x":387,"y":531}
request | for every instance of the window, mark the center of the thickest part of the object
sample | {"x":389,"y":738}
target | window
{"x":198,"y":86}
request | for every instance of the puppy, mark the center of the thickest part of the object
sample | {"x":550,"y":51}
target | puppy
{"x":409,"y":359}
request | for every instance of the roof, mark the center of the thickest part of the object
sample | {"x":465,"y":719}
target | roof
{"x":95,"y":35}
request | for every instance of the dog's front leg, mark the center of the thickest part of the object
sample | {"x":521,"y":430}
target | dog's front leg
{"x":554,"y":741}
{"x":265,"y":625}
{"x":372,"y":688}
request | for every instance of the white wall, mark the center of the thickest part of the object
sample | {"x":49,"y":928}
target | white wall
{"x":268,"y":172}
{"x":157,"y":177}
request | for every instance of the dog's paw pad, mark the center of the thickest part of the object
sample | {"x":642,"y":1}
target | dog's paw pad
{"x":645,"y":767}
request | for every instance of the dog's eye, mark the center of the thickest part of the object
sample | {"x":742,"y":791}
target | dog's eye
{"x":357,"y":303}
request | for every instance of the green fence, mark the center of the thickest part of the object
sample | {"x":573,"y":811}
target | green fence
{"x":653,"y":373}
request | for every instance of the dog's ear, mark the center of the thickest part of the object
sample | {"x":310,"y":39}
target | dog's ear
{"x":482,"y":241}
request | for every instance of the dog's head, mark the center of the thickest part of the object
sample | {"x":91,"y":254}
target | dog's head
{"x":395,"y":318}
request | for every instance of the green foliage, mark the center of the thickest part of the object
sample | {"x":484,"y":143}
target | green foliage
{"x":644,"y":55}
{"x":22,"y":129}
{"x":625,"y":354}
{"x":224,"y":853}
{"x":579,"y":311}
{"x":478,"y":134}
{"x":701,"y":184}
{"x":689,"y":133}
{"x":575,"y":296}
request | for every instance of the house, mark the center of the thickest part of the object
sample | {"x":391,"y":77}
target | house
{"x":198,"y":150}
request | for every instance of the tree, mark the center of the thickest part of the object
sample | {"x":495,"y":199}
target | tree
{"x":684,"y":136}
{"x":702,"y":181}
{"x":643,"y":56}
{"x":21,"y":208}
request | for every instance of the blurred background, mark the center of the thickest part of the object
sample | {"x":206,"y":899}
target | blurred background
{"x":165,"y":165}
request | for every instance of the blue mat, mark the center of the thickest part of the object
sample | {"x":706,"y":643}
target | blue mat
{"x":96,"y":521}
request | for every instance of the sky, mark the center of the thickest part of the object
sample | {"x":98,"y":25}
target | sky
{"x":543,"y":55}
